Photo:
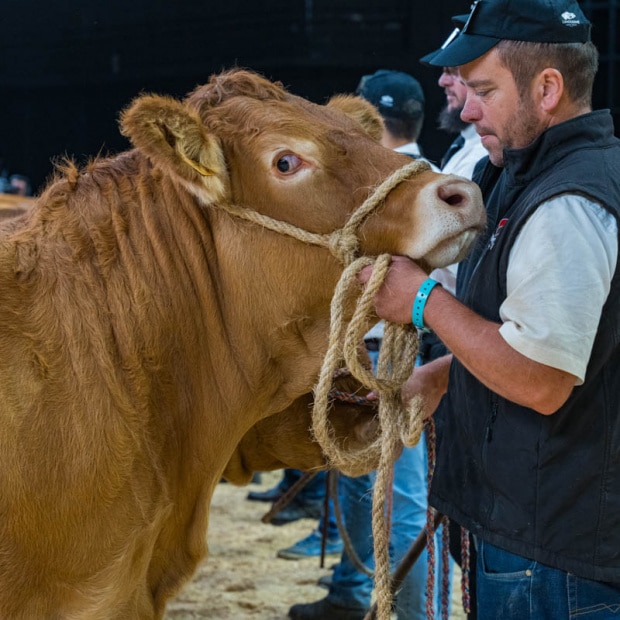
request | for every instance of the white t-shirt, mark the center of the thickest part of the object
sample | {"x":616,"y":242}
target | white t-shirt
{"x":559,"y":276}
{"x":465,"y":159}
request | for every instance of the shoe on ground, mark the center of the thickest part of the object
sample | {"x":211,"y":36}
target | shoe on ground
{"x":324,"y":610}
{"x":310,"y":546}
{"x":297,"y":510}
{"x":270,"y":495}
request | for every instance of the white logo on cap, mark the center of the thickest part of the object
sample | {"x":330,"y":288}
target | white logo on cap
{"x":387,"y":101}
{"x":568,"y":19}
{"x":450,"y":38}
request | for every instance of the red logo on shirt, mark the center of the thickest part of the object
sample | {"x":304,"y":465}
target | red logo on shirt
{"x":495,"y":235}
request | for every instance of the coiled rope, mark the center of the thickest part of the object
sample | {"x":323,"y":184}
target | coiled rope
{"x":399,"y":425}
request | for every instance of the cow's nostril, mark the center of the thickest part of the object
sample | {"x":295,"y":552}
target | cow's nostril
{"x":453,"y":194}
{"x":455,"y":200}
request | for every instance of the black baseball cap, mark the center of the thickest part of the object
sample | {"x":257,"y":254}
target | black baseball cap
{"x":394,"y":93}
{"x":490,"y":21}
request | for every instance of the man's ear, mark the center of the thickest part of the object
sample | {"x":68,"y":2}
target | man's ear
{"x":177,"y":142}
{"x":550,"y":85}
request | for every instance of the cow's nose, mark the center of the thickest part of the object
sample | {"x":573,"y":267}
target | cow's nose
{"x":456,"y":193}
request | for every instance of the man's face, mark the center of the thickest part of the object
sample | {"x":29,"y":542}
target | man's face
{"x":503,"y":119}
{"x":456,"y":91}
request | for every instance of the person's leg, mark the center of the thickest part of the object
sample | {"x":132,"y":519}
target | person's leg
{"x":315,"y":489}
{"x":330,"y":524}
{"x":272,"y":494}
{"x":408,"y":520}
{"x":312,"y":544}
{"x":350,"y":590}
{"x":511,"y":587}
{"x":307,"y":503}
{"x":350,"y":587}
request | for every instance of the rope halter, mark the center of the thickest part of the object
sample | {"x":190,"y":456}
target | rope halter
{"x":343,"y":242}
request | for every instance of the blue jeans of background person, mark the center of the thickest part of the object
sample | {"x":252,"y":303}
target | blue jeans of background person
{"x":511,"y":587}
{"x":313,"y":491}
{"x":352,"y":588}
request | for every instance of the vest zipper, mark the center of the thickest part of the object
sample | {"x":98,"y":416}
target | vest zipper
{"x":489,"y":430}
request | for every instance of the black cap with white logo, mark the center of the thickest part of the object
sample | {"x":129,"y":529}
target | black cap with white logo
{"x":490,"y":21}
{"x":394,"y":93}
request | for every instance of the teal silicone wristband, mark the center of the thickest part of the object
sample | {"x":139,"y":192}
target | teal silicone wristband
{"x":417,"y":312}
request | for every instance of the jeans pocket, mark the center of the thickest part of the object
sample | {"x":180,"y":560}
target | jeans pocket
{"x":500,"y":564}
{"x":593,"y":600}
{"x":504,"y":584}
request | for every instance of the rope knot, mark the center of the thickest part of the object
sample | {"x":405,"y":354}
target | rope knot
{"x":344,"y":245}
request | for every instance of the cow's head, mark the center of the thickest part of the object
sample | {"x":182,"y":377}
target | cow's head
{"x":244,"y":140}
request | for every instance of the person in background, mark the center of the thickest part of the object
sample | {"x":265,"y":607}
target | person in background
{"x":528,"y":417}
{"x":308,"y":503}
{"x":400,"y":100}
{"x":466,"y":150}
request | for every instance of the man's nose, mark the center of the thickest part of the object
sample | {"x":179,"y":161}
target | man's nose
{"x":444,"y":79}
{"x":470,"y":112}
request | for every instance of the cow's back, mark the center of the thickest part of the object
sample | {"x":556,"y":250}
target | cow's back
{"x":87,"y":350}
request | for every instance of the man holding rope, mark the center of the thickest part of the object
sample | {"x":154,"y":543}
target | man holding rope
{"x":528,"y":424}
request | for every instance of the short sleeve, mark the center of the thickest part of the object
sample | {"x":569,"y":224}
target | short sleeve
{"x":559,"y":276}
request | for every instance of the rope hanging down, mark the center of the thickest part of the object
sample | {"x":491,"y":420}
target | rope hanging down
{"x":399,"y":426}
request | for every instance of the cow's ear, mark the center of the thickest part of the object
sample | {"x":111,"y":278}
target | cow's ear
{"x":361,"y":111}
{"x":176,"y":141}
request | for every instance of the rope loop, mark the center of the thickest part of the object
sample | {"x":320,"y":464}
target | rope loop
{"x":398,"y":425}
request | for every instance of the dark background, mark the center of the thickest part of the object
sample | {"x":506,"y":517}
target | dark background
{"x":68,"y":68}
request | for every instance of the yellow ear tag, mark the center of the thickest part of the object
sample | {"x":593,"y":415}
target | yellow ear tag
{"x":201,"y":170}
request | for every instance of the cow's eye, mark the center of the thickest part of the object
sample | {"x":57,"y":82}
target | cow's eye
{"x":288,"y":163}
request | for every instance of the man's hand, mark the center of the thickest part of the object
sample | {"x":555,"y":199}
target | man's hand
{"x":430,"y":382}
{"x":394,"y":300}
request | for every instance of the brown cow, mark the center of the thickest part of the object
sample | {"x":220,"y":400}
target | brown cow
{"x":144,"y":330}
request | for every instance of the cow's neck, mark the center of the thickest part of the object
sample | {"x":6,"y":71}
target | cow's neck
{"x":282,"y":290}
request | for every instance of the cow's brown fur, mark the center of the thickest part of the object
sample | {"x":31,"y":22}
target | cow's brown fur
{"x":143,"y":330}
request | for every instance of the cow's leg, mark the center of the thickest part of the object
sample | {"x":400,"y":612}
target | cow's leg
{"x":180,"y":548}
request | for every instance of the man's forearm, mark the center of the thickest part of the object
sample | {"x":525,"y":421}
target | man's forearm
{"x":479,"y":346}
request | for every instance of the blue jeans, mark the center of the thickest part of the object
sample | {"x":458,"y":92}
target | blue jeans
{"x":351,"y":588}
{"x":313,"y":491}
{"x":510,"y":587}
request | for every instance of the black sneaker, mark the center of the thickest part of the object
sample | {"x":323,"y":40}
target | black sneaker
{"x":270,"y":495}
{"x":324,"y":610}
{"x":298,"y":510}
